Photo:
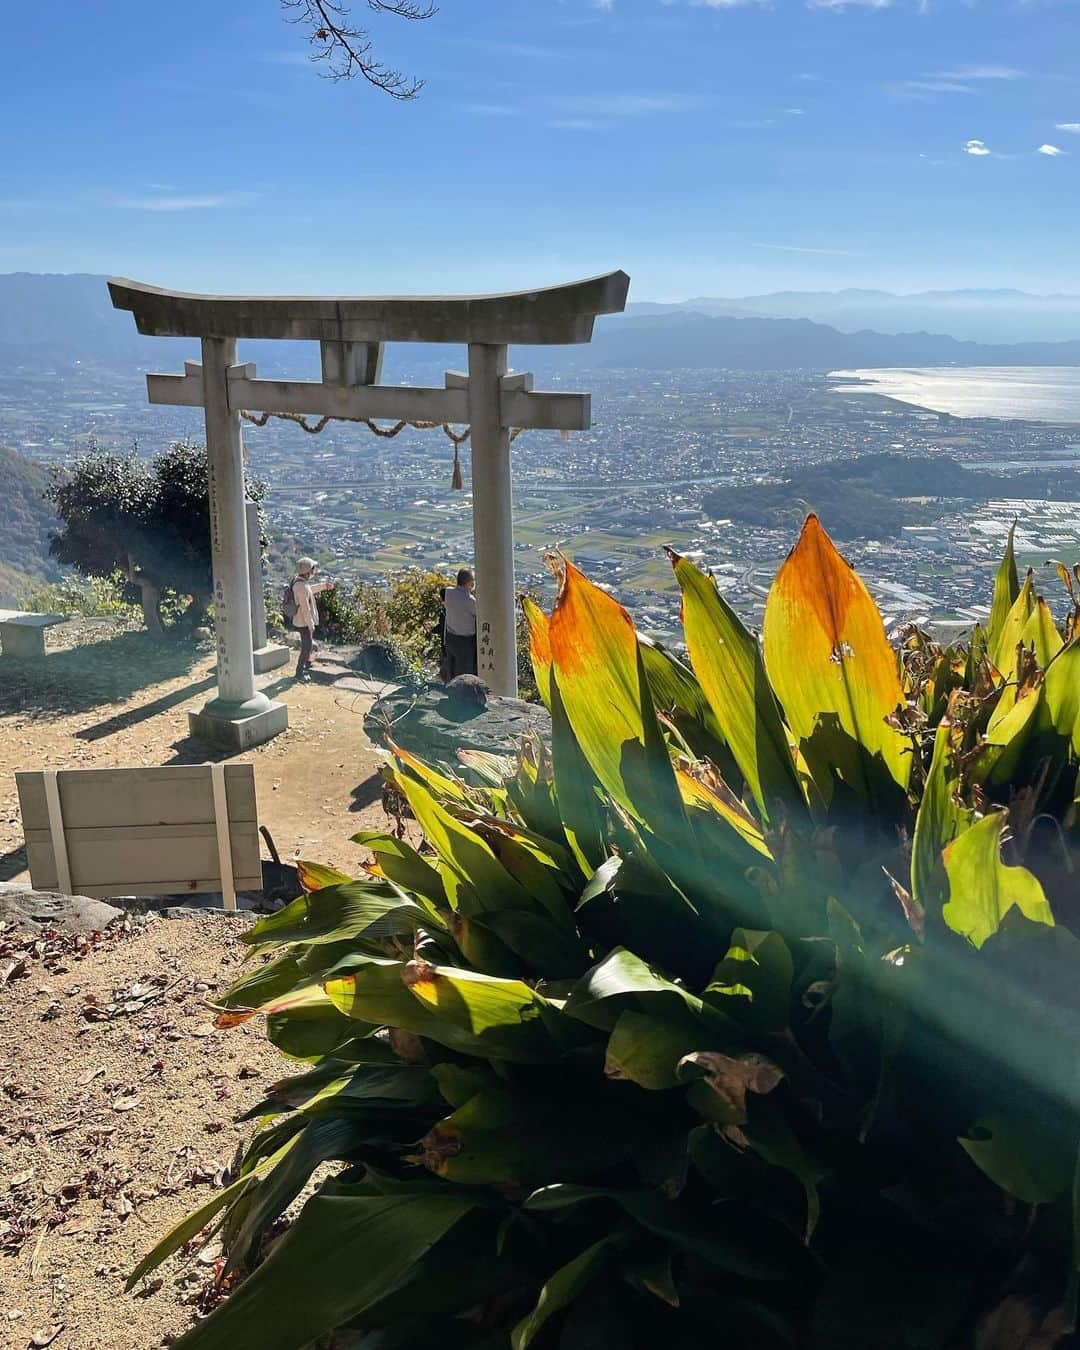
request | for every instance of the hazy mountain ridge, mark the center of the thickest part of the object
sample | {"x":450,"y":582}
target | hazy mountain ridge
{"x":684,"y":340}
{"x":52,"y":320}
{"x":1002,"y":315}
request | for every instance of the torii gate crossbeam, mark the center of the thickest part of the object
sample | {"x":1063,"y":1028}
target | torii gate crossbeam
{"x":351,"y":333}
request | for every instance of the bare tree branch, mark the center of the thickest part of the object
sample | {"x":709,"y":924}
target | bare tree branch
{"x":348,"y":51}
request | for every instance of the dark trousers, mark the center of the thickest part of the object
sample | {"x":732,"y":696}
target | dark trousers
{"x":459,"y":655}
{"x":307,"y":639}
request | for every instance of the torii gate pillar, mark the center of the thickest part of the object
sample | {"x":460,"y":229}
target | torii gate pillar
{"x":240,"y":716}
{"x":493,"y":522}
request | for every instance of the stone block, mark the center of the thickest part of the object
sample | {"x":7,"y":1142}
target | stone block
{"x":270,"y":657}
{"x":239,"y":733}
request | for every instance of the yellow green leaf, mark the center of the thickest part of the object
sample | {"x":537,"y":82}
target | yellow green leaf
{"x":1041,"y":634}
{"x":831,"y":664}
{"x":982,"y":889}
{"x":606,"y":696}
{"x":1061,"y":693}
{"x":539,"y":647}
{"x":314,"y":876}
{"x":1006,"y":589}
{"x":1002,"y":649}
{"x":729,"y":666}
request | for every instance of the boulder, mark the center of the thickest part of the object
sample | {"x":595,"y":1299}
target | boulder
{"x":381,"y":660}
{"x":441,"y":720}
{"x":34,"y":911}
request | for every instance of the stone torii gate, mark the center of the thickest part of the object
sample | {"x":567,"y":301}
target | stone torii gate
{"x":351,"y":332}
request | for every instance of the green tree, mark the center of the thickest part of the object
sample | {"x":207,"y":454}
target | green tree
{"x":149,"y":520}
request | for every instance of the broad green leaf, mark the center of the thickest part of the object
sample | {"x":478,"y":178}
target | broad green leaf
{"x":338,"y":912}
{"x":982,"y":889}
{"x":728,"y":663}
{"x":577,"y":790}
{"x":265,"y":982}
{"x":941,"y":818}
{"x":191,"y":1226}
{"x":1002,"y":651}
{"x":1006,"y":589}
{"x":598,"y":668}
{"x":754,"y":980}
{"x":347,"y":1249}
{"x":623,"y":981}
{"x":539,"y":647}
{"x":723,"y":808}
{"x":1061,"y":693}
{"x":675,"y":691}
{"x":832,"y":667}
{"x":1017,"y":1154}
{"x":303,"y":997}
{"x":311,"y":1031}
{"x":400,"y":863}
{"x":474,"y":878}
{"x":560,"y":1289}
{"x":647,"y":1050}
{"x":277,"y":1187}
{"x":500,"y":1137}
{"x":441,"y":786}
{"x":464,"y":1010}
{"x":717,"y":1238}
{"x":1041,"y":634}
{"x":314,"y":876}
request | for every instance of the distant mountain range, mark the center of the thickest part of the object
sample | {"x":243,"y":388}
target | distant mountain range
{"x":991,"y":316}
{"x":682,"y":340}
{"x":57,"y":320}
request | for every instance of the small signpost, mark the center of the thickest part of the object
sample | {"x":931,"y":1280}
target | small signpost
{"x":102,"y":832}
{"x":351,"y":332}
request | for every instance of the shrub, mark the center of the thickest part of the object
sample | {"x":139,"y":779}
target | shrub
{"x":84,"y":597}
{"x":743,"y":1016}
{"x":405,"y":609}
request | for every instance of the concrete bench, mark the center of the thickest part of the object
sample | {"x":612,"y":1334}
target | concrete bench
{"x":23,"y":635}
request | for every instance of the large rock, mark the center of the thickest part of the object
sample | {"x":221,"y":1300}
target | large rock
{"x":438,"y":722}
{"x":34,"y":911}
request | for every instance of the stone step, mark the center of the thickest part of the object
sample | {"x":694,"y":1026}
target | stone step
{"x":328,"y":672}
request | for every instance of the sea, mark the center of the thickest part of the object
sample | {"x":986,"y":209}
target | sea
{"x":1030,"y":393}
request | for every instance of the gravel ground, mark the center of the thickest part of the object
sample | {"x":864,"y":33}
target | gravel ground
{"x":118,"y":1106}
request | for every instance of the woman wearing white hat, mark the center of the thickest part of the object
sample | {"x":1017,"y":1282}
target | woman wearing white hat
{"x":306,"y":611}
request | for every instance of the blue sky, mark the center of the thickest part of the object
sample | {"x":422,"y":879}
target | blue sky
{"x":705,"y":147}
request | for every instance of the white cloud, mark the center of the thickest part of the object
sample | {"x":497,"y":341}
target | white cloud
{"x":493,"y":109}
{"x":1050,"y":150}
{"x":801,"y":248}
{"x":924,"y":90}
{"x":204,"y":202}
{"x":979,"y":72}
{"x":843,"y":4}
{"x":976,"y":148}
{"x":795,"y":112}
{"x":1072,"y":127}
{"x":625,"y":105}
{"x":578,"y":124}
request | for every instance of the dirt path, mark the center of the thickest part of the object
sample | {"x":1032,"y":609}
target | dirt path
{"x":126,"y":705}
{"x":115,"y":1124}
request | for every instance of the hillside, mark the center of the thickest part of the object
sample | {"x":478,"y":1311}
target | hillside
{"x":25,"y":522}
{"x":681,"y":340}
{"x":873,"y":496}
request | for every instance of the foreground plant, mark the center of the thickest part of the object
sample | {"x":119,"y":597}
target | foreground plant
{"x":746,"y":1015}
